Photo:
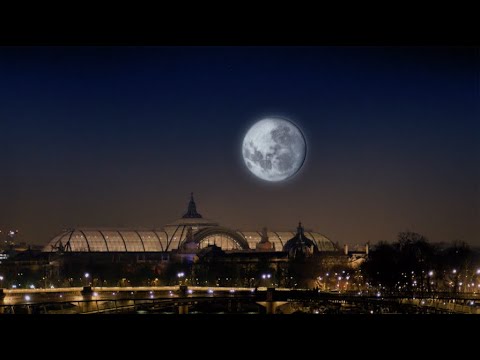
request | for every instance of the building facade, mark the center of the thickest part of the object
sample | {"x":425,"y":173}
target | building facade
{"x":191,"y":233}
{"x":209,"y":252}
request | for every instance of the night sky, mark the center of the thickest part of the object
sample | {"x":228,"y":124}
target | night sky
{"x":119,"y":136}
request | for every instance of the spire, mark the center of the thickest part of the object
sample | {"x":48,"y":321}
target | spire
{"x":192,"y":209}
{"x":300,"y":229}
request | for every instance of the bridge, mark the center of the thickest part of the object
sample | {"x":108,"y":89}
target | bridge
{"x":182,"y":300}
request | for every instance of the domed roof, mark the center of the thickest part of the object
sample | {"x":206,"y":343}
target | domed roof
{"x":300,"y":243}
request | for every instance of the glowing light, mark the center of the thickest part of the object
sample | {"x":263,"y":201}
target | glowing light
{"x":430,"y":273}
{"x":52,"y":287}
{"x":27,"y":298}
{"x":95,"y":294}
{"x":190,"y":291}
{"x":258,"y":140}
{"x":210,"y":291}
{"x":87,"y":275}
{"x":232,"y":290}
{"x":454,"y":271}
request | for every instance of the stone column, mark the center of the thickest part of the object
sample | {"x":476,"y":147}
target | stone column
{"x":87,"y":295}
{"x":183,"y":308}
{"x":2,"y":298}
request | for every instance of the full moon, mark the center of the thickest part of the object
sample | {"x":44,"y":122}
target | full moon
{"x":274,"y":149}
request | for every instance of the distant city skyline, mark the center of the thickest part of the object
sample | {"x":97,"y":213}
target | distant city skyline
{"x":120,"y":136}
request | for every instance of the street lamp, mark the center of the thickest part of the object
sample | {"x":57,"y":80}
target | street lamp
{"x":86,"y":275}
{"x":1,"y":281}
{"x":264,"y":277}
{"x":180,"y":275}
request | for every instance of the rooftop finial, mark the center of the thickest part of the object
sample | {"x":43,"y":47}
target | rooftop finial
{"x":192,"y":209}
{"x":264,"y":244}
{"x":300,"y":228}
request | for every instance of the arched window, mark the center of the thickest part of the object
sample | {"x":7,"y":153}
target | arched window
{"x":221,"y":240}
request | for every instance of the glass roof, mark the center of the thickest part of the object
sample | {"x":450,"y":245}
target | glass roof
{"x":160,"y":240}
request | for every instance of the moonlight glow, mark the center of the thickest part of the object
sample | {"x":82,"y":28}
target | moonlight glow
{"x":274,"y":149}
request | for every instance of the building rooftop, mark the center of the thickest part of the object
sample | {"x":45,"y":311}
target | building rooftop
{"x":172,"y":236}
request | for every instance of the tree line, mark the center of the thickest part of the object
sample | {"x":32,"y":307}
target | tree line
{"x":412,"y":264}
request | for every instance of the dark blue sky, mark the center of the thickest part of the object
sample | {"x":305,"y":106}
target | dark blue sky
{"x":119,"y":136}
